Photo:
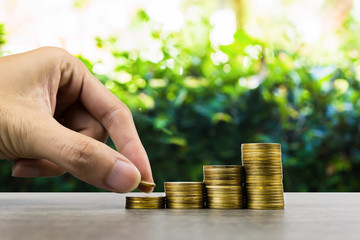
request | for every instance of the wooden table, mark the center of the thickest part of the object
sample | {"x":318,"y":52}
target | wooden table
{"x":102,"y":216}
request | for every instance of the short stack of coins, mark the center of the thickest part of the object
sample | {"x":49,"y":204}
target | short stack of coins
{"x":263,"y":175}
{"x":184,"y":195}
{"x":145,"y":202}
{"x":223,"y":186}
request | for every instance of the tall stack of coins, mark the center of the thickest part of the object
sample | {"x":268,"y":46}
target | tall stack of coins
{"x":184,"y":195}
{"x":145,"y":202}
{"x":263,"y":175}
{"x":223,"y":186}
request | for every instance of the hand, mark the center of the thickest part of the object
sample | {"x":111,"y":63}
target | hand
{"x":55,"y":117}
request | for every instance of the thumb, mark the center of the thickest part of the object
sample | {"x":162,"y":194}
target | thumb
{"x":86,"y":158}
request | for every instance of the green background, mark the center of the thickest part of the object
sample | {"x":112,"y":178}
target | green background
{"x":191,"y":109}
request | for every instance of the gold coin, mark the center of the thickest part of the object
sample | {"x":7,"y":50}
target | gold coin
{"x":224,"y":193}
{"x":266,"y":181}
{"x":146,"y":198}
{"x":261,"y":162}
{"x":261,"y":167}
{"x":222,"y":170}
{"x":225,"y":196}
{"x":222,"y":173}
{"x":169,"y":196}
{"x":266,"y":173}
{"x":260,"y":145}
{"x":270,"y":180}
{"x":183,"y":192}
{"x":264,"y":191}
{"x":222,"y":183}
{"x":184,"y":198}
{"x":265,"y":201}
{"x":251,"y":154}
{"x":184,"y":206}
{"x":263,"y":178}
{"x":184,"y":195}
{"x":267,"y":208}
{"x":209,"y":180}
{"x":179,"y":201}
{"x":188,"y":184}
{"x":183,"y":188}
{"x":143,"y":207}
{"x":223,"y":177}
{"x":261,"y":153}
{"x":225,"y":206}
{"x":206,"y":167}
{"x":146,"y":184}
{"x":143,"y":201}
{"x":265,"y":197}
{"x":264,"y":185}
{"x":261,"y":159}
{"x":232,"y":201}
{"x":224,"y":187}
{"x":250,"y":205}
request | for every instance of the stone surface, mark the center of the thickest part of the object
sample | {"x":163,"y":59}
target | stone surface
{"x":102,"y":216}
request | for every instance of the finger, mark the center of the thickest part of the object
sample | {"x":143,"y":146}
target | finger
{"x":77,"y":119}
{"x":86,"y":158}
{"x":36,"y":168}
{"x":80,"y":120}
{"x":112,"y":113}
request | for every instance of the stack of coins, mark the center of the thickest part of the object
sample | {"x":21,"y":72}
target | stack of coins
{"x":263,"y":175}
{"x":184,"y":194}
{"x":223,"y":186}
{"x":145,"y":202}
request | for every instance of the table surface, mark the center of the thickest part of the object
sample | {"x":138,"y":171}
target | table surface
{"x":103,"y":216}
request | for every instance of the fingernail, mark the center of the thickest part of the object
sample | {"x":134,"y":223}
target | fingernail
{"x":26,"y":171}
{"x":124,"y":178}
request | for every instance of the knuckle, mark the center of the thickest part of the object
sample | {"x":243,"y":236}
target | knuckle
{"x":54,"y":50}
{"x":79,"y":155}
{"x":115,"y":113}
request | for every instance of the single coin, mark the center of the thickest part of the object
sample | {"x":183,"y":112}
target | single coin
{"x":224,"y":192}
{"x":255,"y":152}
{"x":205,"y":167}
{"x":184,"y":206}
{"x":144,"y":206}
{"x":184,"y":198}
{"x":223,"y":182}
{"x":145,"y":198}
{"x":270,"y":180}
{"x":266,"y":208}
{"x":264,"y":158}
{"x":265,"y":197}
{"x":222,"y":177}
{"x":262,"y":167}
{"x":146,"y":184}
{"x":183,"y":184}
{"x":225,"y":206}
{"x":226,"y":195}
{"x":184,"y":194}
{"x":260,"y":145}
{"x":224,"y":187}
{"x":230,"y":201}
{"x":264,"y":191}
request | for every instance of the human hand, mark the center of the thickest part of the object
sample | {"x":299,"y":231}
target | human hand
{"x":55,"y":117}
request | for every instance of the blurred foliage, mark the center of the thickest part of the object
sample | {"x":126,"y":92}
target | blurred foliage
{"x":2,"y":37}
{"x":195,"y":103}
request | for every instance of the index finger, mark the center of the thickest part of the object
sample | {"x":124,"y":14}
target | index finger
{"x":116,"y":118}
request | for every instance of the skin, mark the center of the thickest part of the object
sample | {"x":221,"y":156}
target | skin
{"x":55,"y":117}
